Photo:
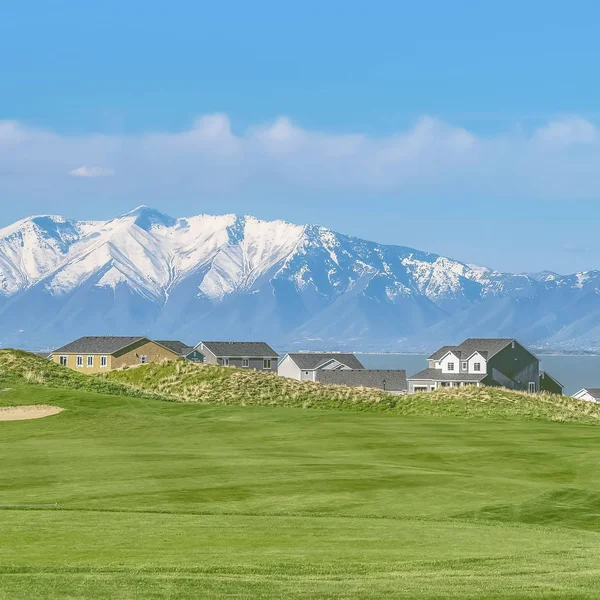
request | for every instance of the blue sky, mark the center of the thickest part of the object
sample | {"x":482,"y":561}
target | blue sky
{"x":465,"y":128}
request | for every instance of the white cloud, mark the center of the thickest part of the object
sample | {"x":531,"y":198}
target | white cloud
{"x":559,"y":160}
{"x":91,"y":172}
{"x":569,"y":131}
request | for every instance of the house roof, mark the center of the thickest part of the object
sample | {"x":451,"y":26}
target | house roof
{"x":176,"y":346}
{"x":487,"y":347}
{"x":441,"y":352}
{"x":395,"y":380}
{"x":313,"y":360}
{"x":241,"y":349}
{"x":100,"y":344}
{"x":593,"y":392}
{"x":546,"y":374}
{"x":437,"y":375}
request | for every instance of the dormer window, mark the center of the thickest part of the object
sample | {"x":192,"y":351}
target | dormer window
{"x":465,"y":366}
{"x":476,"y":366}
{"x":450,"y":366}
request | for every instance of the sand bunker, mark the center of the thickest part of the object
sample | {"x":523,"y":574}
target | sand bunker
{"x":20,"y":413}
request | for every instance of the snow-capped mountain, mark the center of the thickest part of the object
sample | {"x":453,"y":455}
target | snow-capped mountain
{"x":232,"y":277}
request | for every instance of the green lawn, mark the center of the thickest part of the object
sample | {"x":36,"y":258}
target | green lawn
{"x":161,"y":499}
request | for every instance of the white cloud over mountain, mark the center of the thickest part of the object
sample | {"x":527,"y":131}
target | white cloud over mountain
{"x":559,"y":160}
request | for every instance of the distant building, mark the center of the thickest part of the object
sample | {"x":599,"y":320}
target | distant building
{"x":95,"y":354}
{"x":387,"y":380}
{"x":589,"y":394}
{"x":184,"y":350}
{"x":483,"y":361}
{"x":336,"y":368}
{"x":304,"y":365}
{"x":245,"y":355}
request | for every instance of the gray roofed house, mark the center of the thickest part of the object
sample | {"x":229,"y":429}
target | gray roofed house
{"x":315,"y":360}
{"x":589,"y":394}
{"x":304,"y":366}
{"x":184,"y":350}
{"x":97,"y":354}
{"x":99,"y":344}
{"x":436,"y":375}
{"x":175,"y":345}
{"x":483,"y":361}
{"x":245,"y":355}
{"x":340,"y":369}
{"x":387,"y":380}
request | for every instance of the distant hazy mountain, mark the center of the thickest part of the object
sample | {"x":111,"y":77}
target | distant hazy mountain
{"x":297,"y":286}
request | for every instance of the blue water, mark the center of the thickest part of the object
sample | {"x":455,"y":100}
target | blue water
{"x":574,"y":372}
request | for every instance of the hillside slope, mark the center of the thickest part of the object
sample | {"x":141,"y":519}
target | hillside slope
{"x":295,"y":285}
{"x":208,"y":384}
{"x":184,"y":381}
{"x":17,"y":366}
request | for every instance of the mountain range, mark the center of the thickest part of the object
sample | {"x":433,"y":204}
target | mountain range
{"x":296,"y":286}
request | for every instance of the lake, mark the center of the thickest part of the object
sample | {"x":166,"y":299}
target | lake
{"x":574,"y":372}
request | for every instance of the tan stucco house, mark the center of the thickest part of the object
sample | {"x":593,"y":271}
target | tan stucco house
{"x":99,"y":354}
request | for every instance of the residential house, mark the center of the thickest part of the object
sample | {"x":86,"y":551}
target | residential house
{"x":589,"y":394}
{"x":480,"y":361}
{"x":340,"y":369}
{"x":387,"y":380}
{"x":245,"y":355}
{"x":184,"y":350}
{"x":95,"y":354}
{"x":550,"y":384}
{"x":304,"y":365}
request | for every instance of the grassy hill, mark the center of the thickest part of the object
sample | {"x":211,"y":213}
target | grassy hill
{"x":17,"y":366}
{"x":209,"y":384}
{"x":189,"y":500}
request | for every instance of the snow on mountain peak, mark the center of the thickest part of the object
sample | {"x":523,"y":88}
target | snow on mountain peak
{"x":239,"y":276}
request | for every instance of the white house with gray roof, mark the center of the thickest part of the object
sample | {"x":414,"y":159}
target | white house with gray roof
{"x":245,"y":355}
{"x":482,"y":361}
{"x":305,"y":365}
{"x":588,"y":394}
{"x":336,"y":368}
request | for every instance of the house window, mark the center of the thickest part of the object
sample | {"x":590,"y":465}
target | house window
{"x":103,"y":361}
{"x":245,"y":362}
{"x":465,"y":366}
{"x":226,"y":362}
{"x":267,"y":363}
{"x":420,"y":388}
{"x":62,"y":360}
{"x":80,"y":361}
{"x":90,"y":361}
{"x":476,"y":366}
{"x":531,"y":387}
{"x":143,"y":359}
{"x":451,"y":366}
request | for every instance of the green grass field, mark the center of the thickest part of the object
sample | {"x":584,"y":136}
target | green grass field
{"x":180,"y":500}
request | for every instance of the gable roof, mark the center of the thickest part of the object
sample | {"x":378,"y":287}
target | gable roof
{"x":395,"y":380}
{"x":176,"y":346}
{"x":241,"y":349}
{"x":100,"y":344}
{"x":437,"y":375}
{"x":544,"y":374}
{"x":593,"y":392}
{"x":441,"y":352}
{"x":313,"y":360}
{"x":487,"y":347}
